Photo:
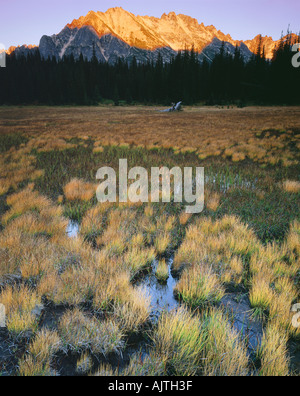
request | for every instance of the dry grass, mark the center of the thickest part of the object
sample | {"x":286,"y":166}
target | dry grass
{"x":45,"y":345}
{"x":137,"y":260}
{"x":291,"y":186}
{"x":110,"y":288}
{"x":179,"y":341}
{"x":273,"y":269}
{"x":20,"y":303}
{"x":185,"y":218}
{"x":162,"y":242}
{"x":93,"y":222}
{"x":97,"y":269}
{"x":17,"y":166}
{"x":79,"y":190}
{"x":82,"y":333}
{"x":273,"y":353}
{"x":40,"y":354}
{"x":225,"y":354}
{"x":134,"y":311}
{"x":33,"y":214}
{"x":213,"y":202}
{"x":142,"y":366}
{"x":261,"y":294}
{"x":30,"y":367}
{"x":120,"y":229}
{"x":147,"y":128}
{"x":162,"y":271}
{"x":221,"y":245}
{"x":199,"y":286}
{"x":84,"y":365}
{"x":105,"y":370}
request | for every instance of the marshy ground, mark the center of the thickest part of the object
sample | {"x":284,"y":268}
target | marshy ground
{"x":146,"y":289}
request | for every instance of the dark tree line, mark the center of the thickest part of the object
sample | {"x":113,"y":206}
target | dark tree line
{"x":227,"y":79}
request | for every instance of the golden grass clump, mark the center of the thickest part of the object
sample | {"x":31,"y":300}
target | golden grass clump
{"x":26,"y":201}
{"x":34,"y":214}
{"x":273,"y":352}
{"x":19,"y":303}
{"x":76,"y":275}
{"x":92,"y":222}
{"x":17,"y":166}
{"x":134,"y":311}
{"x":40,"y":354}
{"x":213,"y":202}
{"x":137,"y":260}
{"x":48,"y":143}
{"x":72,"y":273}
{"x":113,"y":242}
{"x":30,"y":367}
{"x":4,"y":186}
{"x":45,"y":344}
{"x":261,"y":294}
{"x":223,"y":244}
{"x":148,"y":211}
{"x":190,"y":252}
{"x":43,"y":224}
{"x":111,"y":287}
{"x":120,"y":229}
{"x":184,"y":218}
{"x":98,"y":149}
{"x":179,"y":342}
{"x":198,"y":286}
{"x":13,"y":245}
{"x":291,"y":186}
{"x":79,"y":190}
{"x":84,"y":365}
{"x":285,"y":293}
{"x":144,"y":366}
{"x":138,"y":240}
{"x":293,"y":243}
{"x":80,"y":333}
{"x":105,"y":370}
{"x":273,"y":270}
{"x":66,"y":288}
{"x":162,"y":243}
{"x":27,"y":255}
{"x":162,"y":271}
{"x":235,"y":271}
{"x":224,"y":353}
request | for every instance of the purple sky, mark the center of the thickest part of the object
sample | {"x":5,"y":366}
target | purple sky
{"x":25,"y":21}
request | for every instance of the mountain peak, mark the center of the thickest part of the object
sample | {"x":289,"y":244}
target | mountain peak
{"x":120,"y":30}
{"x":115,"y":9}
{"x":171,"y":30}
{"x":21,"y":49}
{"x":170,"y":15}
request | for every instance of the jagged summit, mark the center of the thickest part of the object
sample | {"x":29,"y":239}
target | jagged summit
{"x":119,"y":33}
{"x":21,"y":49}
{"x":176,"y":31}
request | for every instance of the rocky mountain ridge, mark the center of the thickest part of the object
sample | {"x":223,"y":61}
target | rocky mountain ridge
{"x":117,"y":33}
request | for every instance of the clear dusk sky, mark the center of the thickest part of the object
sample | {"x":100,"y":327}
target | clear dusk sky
{"x":26,"y":21}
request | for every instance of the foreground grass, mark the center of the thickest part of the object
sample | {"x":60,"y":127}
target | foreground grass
{"x":246,"y":240}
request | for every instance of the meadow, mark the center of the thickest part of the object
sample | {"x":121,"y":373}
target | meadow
{"x":146,"y":289}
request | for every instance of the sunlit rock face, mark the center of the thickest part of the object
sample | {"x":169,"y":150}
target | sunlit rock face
{"x":22,"y":50}
{"x":86,"y":42}
{"x":118,"y":33}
